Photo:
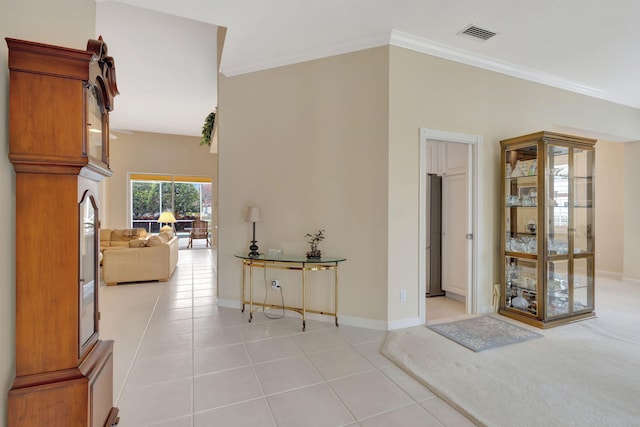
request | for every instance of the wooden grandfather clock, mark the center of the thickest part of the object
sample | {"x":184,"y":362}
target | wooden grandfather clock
{"x":59,"y":103}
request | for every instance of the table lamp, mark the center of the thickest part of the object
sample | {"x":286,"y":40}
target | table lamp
{"x":167,"y":218}
{"x":253,"y":216}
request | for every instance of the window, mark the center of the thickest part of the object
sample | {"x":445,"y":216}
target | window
{"x":188,"y":197}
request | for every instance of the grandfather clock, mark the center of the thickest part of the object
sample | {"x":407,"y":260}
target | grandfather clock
{"x":59,"y":105}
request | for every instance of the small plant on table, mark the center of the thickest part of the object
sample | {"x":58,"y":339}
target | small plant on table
{"x":314,"y":239}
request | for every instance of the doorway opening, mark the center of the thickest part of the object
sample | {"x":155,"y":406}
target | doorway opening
{"x":448,"y":163}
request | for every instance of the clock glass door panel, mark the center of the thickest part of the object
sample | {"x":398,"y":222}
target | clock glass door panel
{"x":95,"y":125}
{"x":88,"y":274}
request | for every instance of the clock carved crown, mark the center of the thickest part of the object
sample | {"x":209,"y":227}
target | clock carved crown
{"x":107,"y":77}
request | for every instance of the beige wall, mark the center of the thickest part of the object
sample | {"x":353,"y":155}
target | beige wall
{"x":609,"y":212}
{"x":151,"y":153}
{"x":631,"y":211}
{"x":430,"y":92}
{"x":67,"y":23}
{"x":307,"y":143}
{"x":292,"y":136}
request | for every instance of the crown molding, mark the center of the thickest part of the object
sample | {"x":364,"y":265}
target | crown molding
{"x":408,"y":41}
{"x":332,"y":49}
{"x":421,"y":45}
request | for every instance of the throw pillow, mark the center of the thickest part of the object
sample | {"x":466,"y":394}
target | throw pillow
{"x":137,"y":243}
{"x":155,"y":241}
{"x":168,"y":235}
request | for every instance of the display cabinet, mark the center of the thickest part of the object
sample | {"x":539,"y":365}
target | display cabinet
{"x":547,"y":228}
{"x":59,"y":101}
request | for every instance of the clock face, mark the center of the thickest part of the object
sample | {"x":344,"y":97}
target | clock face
{"x":95,"y":129}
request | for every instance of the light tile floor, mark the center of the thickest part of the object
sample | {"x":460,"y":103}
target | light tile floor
{"x":182,"y":361}
{"x":443,"y":307}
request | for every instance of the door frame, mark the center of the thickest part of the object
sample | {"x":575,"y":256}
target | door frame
{"x":473,"y":187}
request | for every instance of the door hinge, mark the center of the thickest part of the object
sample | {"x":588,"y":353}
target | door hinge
{"x":469,"y":236}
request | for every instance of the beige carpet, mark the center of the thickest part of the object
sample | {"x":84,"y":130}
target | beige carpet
{"x":582,"y":374}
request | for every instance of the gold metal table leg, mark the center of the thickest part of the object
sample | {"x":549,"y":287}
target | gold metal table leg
{"x":335,"y":295}
{"x":244,"y":265}
{"x":304,"y":320}
{"x":250,"y":291}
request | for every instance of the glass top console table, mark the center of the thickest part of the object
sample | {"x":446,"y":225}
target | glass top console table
{"x":288,"y":262}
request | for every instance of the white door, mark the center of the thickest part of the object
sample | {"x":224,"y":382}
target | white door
{"x":459,"y":257}
{"x":454,"y":234}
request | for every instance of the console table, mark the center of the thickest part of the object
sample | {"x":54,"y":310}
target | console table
{"x":288,"y":262}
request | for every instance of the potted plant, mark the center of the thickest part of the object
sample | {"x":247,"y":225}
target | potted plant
{"x":207,"y":128}
{"x":314,"y":239}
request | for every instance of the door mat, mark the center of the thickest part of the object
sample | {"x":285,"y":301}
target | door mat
{"x":483,"y":333}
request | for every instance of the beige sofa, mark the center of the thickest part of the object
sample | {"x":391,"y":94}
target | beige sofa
{"x":130,"y":256}
{"x":120,"y":238}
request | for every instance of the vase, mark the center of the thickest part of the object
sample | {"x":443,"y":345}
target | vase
{"x":314,"y":253}
{"x":520,"y":302}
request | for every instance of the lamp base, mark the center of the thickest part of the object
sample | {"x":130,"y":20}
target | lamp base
{"x":254,"y":249}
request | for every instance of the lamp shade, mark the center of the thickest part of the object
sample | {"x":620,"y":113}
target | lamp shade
{"x":167,"y":217}
{"x":253,"y":214}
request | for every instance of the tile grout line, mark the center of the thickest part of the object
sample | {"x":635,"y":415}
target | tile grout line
{"x":193,"y":350}
{"x":139,"y":346}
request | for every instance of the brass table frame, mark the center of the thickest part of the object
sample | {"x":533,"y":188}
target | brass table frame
{"x":284,"y":262}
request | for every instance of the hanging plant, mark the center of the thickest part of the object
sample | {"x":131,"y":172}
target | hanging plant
{"x":207,"y":128}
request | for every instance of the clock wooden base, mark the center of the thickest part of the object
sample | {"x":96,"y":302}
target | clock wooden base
{"x":73,"y":397}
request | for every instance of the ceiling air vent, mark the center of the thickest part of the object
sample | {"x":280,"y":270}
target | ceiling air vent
{"x":477,"y":33}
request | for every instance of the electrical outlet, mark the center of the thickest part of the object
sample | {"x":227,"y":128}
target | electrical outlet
{"x":403,"y":295}
{"x":275,"y":284}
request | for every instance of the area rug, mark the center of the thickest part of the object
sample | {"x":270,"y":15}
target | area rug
{"x":483,"y":332}
{"x":580,"y":374}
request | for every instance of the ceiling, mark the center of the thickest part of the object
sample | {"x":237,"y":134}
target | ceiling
{"x":165,"y":50}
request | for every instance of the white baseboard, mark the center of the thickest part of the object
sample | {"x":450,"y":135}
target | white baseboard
{"x":630,"y":279}
{"x":486,"y":309}
{"x":609,"y":274}
{"x":456,"y":296}
{"x":360,"y":322}
{"x":405,"y":323}
{"x":229,"y":303}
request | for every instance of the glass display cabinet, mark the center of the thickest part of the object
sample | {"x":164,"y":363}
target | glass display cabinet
{"x":547,"y":228}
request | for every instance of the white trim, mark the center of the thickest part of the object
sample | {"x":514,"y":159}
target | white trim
{"x":129,"y":205}
{"x":360,"y":322}
{"x":462,"y":56}
{"x":472,"y":301}
{"x":406,"y":323}
{"x":418,"y":44}
{"x":310,"y":53}
{"x":229,"y":303}
{"x":609,"y":274}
